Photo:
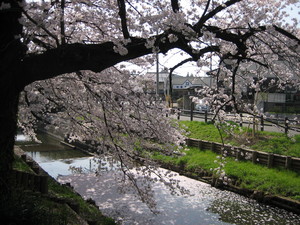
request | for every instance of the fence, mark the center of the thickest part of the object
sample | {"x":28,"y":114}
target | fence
{"x":285,"y":123}
{"x":29,"y":181}
{"x":291,"y":107}
{"x":268,"y":159}
{"x":37,"y":181}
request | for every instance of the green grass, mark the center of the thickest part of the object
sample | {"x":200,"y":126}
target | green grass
{"x":192,"y":159}
{"x":275,"y":181}
{"x":20,"y":165}
{"x":202,"y":130}
{"x":251,"y":176}
{"x":277,"y":143}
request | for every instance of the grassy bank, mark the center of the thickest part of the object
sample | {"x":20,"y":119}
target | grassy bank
{"x":248,"y":175}
{"x":252,"y":176}
{"x":57,"y":207}
{"x":277,"y":143}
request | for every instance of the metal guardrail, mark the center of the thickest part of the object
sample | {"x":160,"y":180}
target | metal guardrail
{"x":261,"y":121}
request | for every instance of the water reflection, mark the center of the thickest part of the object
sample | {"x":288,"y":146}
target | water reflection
{"x":45,"y":154}
{"x":55,"y":158}
{"x":58,"y":159}
{"x":126,"y":208}
{"x":205,"y":205}
{"x":240,"y":210}
{"x":22,"y":138}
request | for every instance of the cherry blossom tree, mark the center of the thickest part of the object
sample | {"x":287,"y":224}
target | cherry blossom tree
{"x":63,"y":54}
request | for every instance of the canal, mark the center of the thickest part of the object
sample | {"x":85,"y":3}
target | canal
{"x":204,"y":204}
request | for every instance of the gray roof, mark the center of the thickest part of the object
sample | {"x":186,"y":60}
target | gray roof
{"x":163,"y":75}
{"x":195,"y":81}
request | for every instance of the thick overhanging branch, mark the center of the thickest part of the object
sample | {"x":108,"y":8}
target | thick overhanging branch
{"x":75,"y":57}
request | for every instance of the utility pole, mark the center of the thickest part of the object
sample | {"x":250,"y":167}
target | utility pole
{"x":157,"y":76}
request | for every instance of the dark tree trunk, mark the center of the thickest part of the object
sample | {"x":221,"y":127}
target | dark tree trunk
{"x":11,"y":54}
{"x":8,"y":122}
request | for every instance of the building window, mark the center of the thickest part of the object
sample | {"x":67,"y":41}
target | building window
{"x":187,"y":83}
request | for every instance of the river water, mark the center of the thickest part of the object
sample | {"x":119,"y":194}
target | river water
{"x":204,"y":204}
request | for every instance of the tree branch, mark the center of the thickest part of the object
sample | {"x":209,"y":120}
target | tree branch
{"x":234,"y":72}
{"x":43,"y":28}
{"x":62,"y":23}
{"x":41,"y":43}
{"x":205,"y":10}
{"x":172,"y":70}
{"x":212,"y":13}
{"x":96,"y":57}
{"x":175,"y":6}
{"x":122,"y":14}
{"x":75,"y":57}
{"x":225,"y":35}
{"x":287,"y":34}
{"x":135,"y":9}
